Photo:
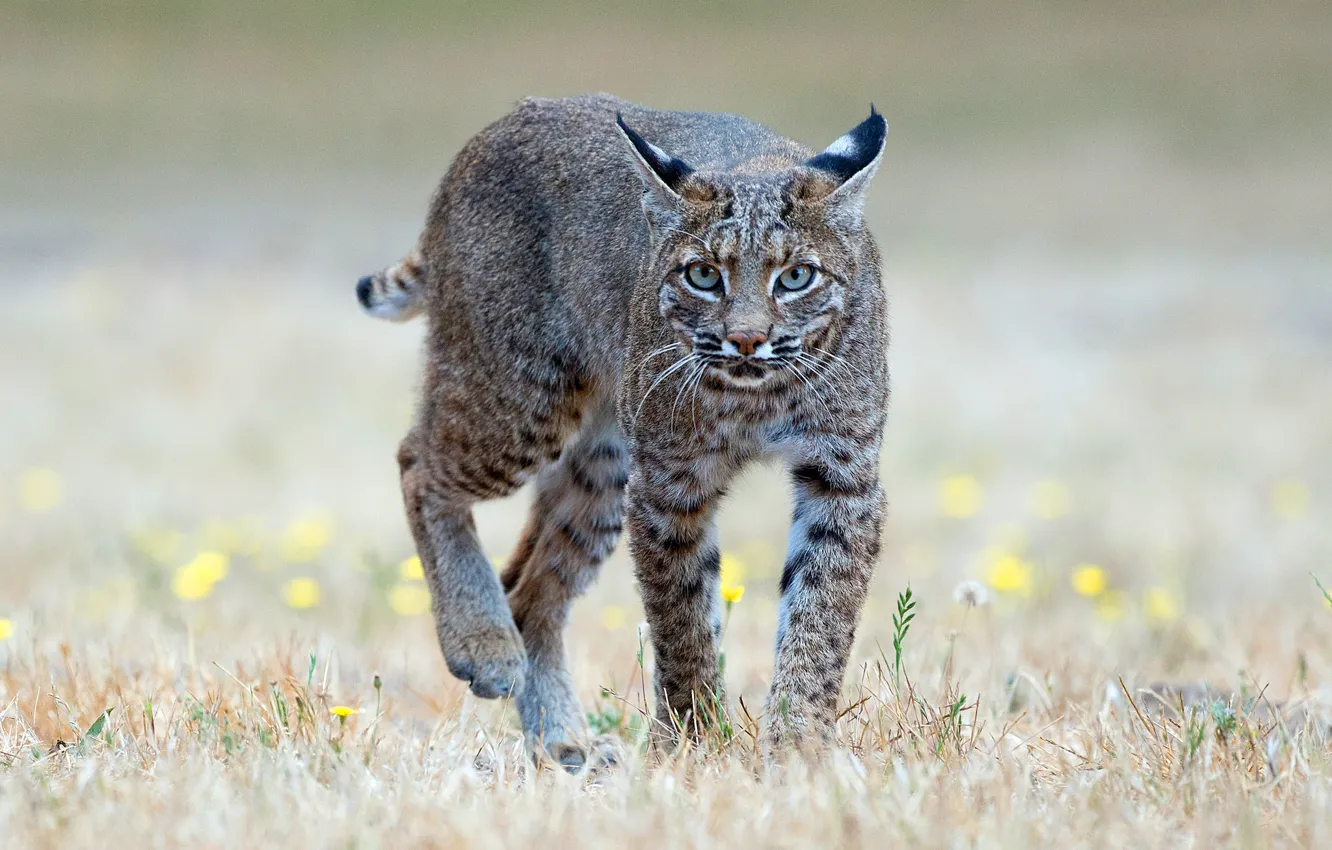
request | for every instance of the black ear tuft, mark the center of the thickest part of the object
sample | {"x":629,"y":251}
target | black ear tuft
{"x":668,"y":169}
{"x":856,"y":150}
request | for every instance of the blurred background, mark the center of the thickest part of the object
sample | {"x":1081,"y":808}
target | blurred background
{"x":1106,"y":230}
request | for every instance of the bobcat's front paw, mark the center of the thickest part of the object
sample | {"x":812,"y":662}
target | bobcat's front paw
{"x":491,"y":661}
{"x":789,"y":726}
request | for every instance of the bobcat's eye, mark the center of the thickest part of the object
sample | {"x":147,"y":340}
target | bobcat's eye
{"x":703,"y":276}
{"x":797,"y":278}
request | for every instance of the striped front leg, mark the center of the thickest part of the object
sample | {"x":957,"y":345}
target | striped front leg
{"x":834,"y":544}
{"x":673,"y":540}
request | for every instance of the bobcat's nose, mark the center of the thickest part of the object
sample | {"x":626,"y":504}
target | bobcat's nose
{"x":746,"y":342}
{"x":363,"y":289}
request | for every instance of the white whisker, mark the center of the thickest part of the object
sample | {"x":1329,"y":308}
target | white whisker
{"x":693,"y":404}
{"x":657,"y":353}
{"x":675,"y":367}
{"x":823,"y":370}
{"x":679,"y":394}
{"x":803,"y":360}
{"x":838,"y":361}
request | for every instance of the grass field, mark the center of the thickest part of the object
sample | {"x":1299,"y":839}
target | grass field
{"x":1105,"y":239}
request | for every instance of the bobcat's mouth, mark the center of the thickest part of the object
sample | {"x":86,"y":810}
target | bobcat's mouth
{"x":748,"y":370}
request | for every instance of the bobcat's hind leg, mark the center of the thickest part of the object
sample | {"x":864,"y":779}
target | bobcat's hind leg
{"x":477,"y":635}
{"x":574,"y":525}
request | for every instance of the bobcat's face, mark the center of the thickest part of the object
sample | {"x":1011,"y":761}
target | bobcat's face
{"x":754,"y":269}
{"x":756,"y":282}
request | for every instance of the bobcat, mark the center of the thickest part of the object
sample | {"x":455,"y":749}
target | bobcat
{"x":627,"y":306}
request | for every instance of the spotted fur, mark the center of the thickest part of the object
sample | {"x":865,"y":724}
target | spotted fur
{"x":568,"y":344}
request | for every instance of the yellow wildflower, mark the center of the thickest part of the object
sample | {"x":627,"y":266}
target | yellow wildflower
{"x":301,"y":593}
{"x":409,"y":599}
{"x":612,"y":618}
{"x":305,"y":539}
{"x":195,"y":580}
{"x":1049,"y":499}
{"x":1290,"y":499}
{"x":6,"y":629}
{"x":213,"y":565}
{"x":189,"y":584}
{"x":1160,"y":605}
{"x":411,"y":568}
{"x":731,"y":593}
{"x":40,"y":490}
{"x":1009,"y":574}
{"x":1088,"y":580}
{"x":343,"y":711}
{"x":960,"y":496}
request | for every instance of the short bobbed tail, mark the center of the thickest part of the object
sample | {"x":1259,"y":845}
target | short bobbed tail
{"x":396,"y":293}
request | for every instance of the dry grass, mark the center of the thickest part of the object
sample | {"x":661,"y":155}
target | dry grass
{"x":1105,"y":234}
{"x":197,"y":755}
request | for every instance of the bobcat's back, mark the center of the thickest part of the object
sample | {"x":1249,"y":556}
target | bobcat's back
{"x":537,"y":229}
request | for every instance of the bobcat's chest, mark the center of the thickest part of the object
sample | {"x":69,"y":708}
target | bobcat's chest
{"x":758,"y":428}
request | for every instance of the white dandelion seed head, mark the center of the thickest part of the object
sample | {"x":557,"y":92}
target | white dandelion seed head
{"x":971,"y":594}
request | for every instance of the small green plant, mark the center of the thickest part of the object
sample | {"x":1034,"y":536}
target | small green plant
{"x":1327,"y":597}
{"x":1196,"y":731}
{"x":952,"y":726}
{"x":98,"y":726}
{"x":642,"y":670}
{"x":280,"y":709}
{"x":1223,"y":717}
{"x":608,"y":718}
{"x":906,"y":612}
{"x":378,"y":684}
{"x":721,"y":719}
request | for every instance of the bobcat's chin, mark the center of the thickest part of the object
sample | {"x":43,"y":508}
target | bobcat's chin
{"x":746,"y":374}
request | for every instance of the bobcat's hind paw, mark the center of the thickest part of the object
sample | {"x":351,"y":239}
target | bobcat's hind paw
{"x":599,"y":754}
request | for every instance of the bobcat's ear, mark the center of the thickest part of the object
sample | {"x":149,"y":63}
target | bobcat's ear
{"x":661,"y":172}
{"x":851,"y":162}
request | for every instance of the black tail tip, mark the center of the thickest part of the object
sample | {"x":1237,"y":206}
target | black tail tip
{"x":364,"y":287}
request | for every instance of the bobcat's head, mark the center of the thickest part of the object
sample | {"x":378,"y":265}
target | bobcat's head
{"x":755,"y":263}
